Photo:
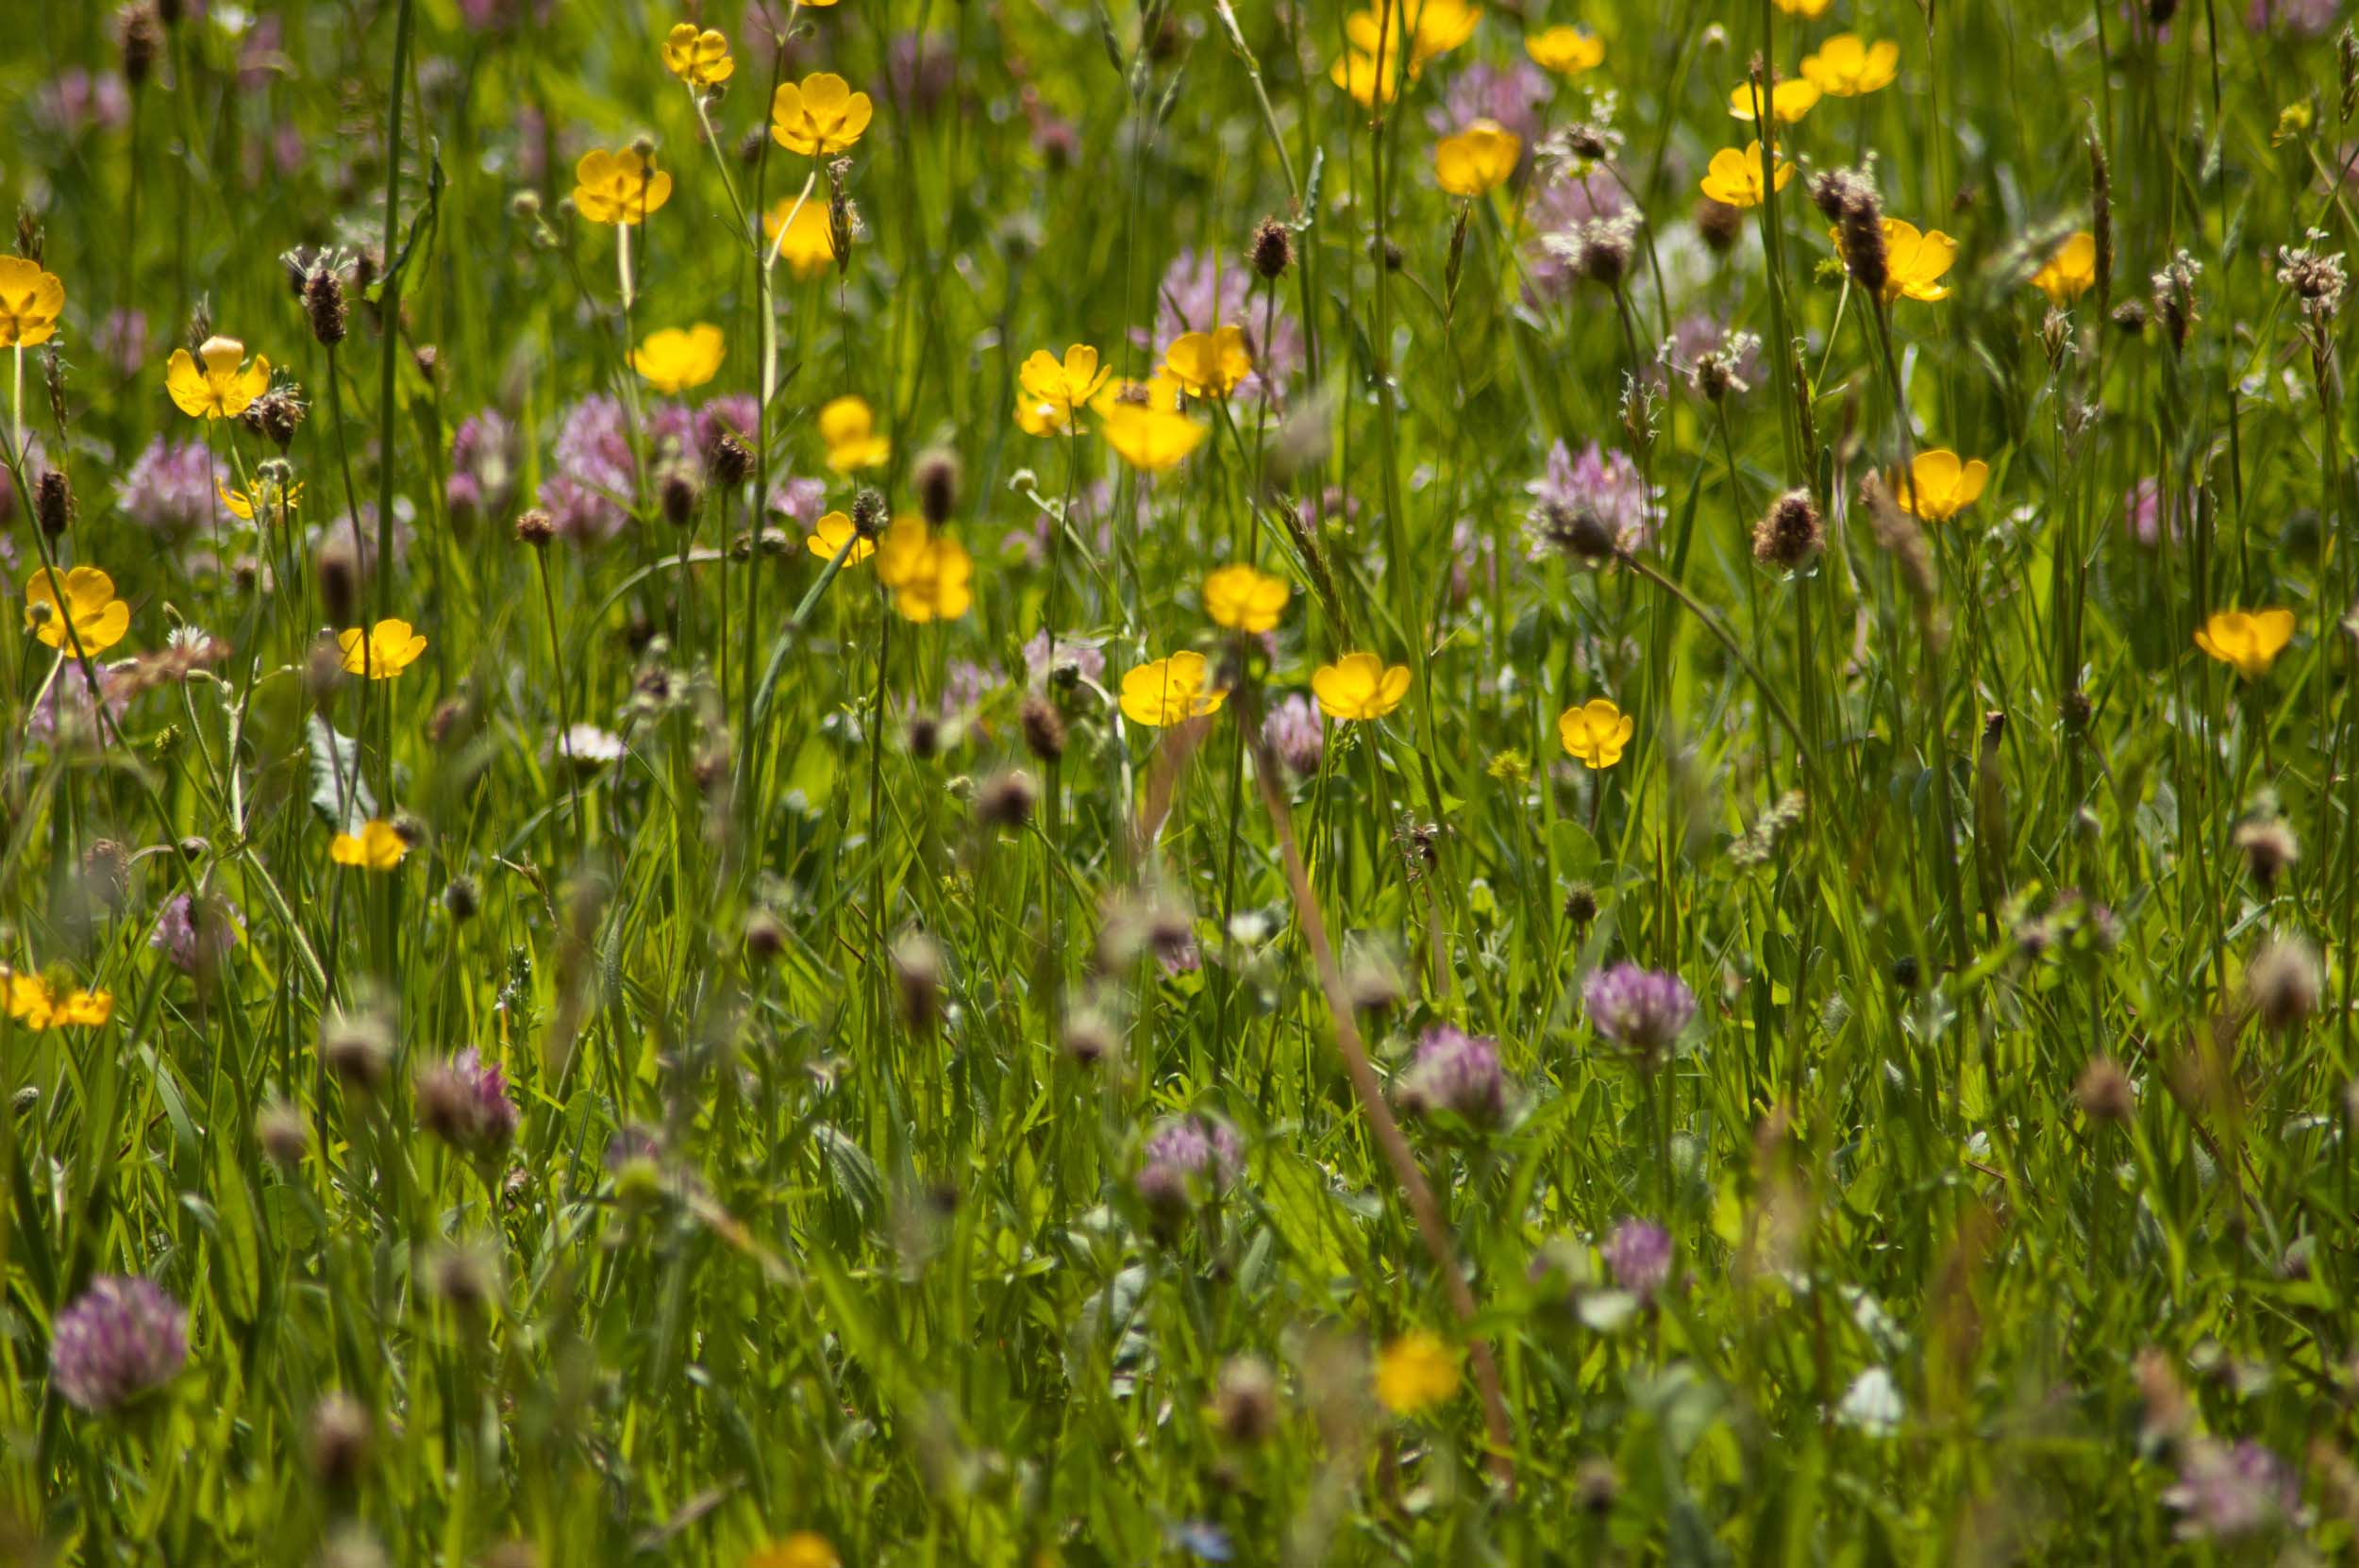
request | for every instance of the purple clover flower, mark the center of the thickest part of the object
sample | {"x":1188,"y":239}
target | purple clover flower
{"x":2226,"y":1493}
{"x":482,"y":467}
{"x":1296,"y":735}
{"x":1458,"y":1073}
{"x":1188,"y":1155}
{"x":196,"y":934}
{"x":1638,"y":1254}
{"x":122,"y":1339}
{"x":1643,"y":1010}
{"x":465,"y":1103}
{"x":169,"y":489}
{"x":1606,"y":483}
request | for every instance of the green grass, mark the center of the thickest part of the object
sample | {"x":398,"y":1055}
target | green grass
{"x":1928,"y":827}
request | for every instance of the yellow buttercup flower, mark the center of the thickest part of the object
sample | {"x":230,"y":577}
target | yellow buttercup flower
{"x":2250,"y":639}
{"x":1566,"y":51}
{"x":1595,"y":732}
{"x":1142,"y":422}
{"x":1914,"y":262}
{"x":1440,"y":26}
{"x":376,"y":848}
{"x":831,"y":533}
{"x":1416,"y":1372}
{"x":618,"y":187}
{"x":1358,"y":686}
{"x":809,"y":248}
{"x":848,"y":427}
{"x":820,"y":116}
{"x":383,"y":651}
{"x":1734,"y":177}
{"x":1243,"y":598}
{"x":2071,"y":272}
{"x":1478,"y":160}
{"x":804,"y":1548}
{"x":264,"y":497}
{"x":698,"y":58}
{"x":1789,"y":100}
{"x":936,"y":580}
{"x":30,"y":301}
{"x":83,"y":599}
{"x":1209,"y":364}
{"x":1937,"y":486}
{"x":224,"y":388}
{"x":674,"y":360}
{"x":1067,"y":383}
{"x":1368,"y":80}
{"x":38,"y":1004}
{"x":1166,"y":690}
{"x":1845,"y":67}
{"x":1805,"y":9}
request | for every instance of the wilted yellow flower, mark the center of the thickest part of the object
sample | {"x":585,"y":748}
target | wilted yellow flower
{"x":848,"y":427}
{"x":1789,"y":100}
{"x":1566,"y":51}
{"x":804,"y":1548}
{"x":37,"y":1004}
{"x":1937,"y":486}
{"x":1243,"y":598}
{"x":674,"y":360}
{"x":831,"y":532}
{"x":1166,"y":690}
{"x":224,"y":388}
{"x":1478,"y":160}
{"x":1734,"y":177}
{"x":85,"y":599}
{"x":1594,"y":732}
{"x":30,"y":300}
{"x":2071,"y":272}
{"x":1414,"y":1373}
{"x":1358,"y":686}
{"x":376,"y":848}
{"x":1846,"y":68}
{"x":698,"y":58}
{"x":936,"y":580}
{"x":618,"y":187}
{"x":809,"y":248}
{"x":1209,"y":364}
{"x":1914,"y":262}
{"x":822,"y":115}
{"x":2250,"y":639}
{"x":383,"y":651}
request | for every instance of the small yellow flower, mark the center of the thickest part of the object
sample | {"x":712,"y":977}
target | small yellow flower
{"x":1369,"y":80}
{"x":264,"y":497}
{"x":2071,"y":272}
{"x":1142,"y":422}
{"x":1734,"y":177}
{"x":222,"y":390}
{"x":1068,"y":383}
{"x":831,"y":533}
{"x":38,"y":1005}
{"x":1166,"y":690}
{"x":804,"y":1548}
{"x":1807,"y":9}
{"x":30,"y":301}
{"x":376,"y":848}
{"x":2250,"y":639}
{"x":1244,"y":599}
{"x":1478,"y":160}
{"x":1209,"y":364}
{"x":1358,"y":686}
{"x":1440,"y":26}
{"x":1593,"y":733}
{"x":674,"y":360}
{"x":1937,"y":486}
{"x":383,"y":651}
{"x":618,"y":187}
{"x":1789,"y":100}
{"x":698,"y":58}
{"x":1843,"y":67}
{"x":936,"y":580}
{"x":1416,"y":1372}
{"x":1566,"y":51}
{"x":88,"y":604}
{"x":1914,"y":262}
{"x":822,"y":115}
{"x":848,"y":428}
{"x":809,"y":248}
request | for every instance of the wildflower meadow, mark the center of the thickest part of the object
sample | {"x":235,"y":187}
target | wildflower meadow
{"x":823,"y":783}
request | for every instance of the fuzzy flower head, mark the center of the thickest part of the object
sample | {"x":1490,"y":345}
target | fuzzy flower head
{"x":1642,"y":1010}
{"x":121,"y":1340}
{"x":1416,"y":1372}
{"x":383,"y":651}
{"x":1735,"y":179}
{"x":169,"y":489}
{"x":819,"y":116}
{"x":1165,"y":692}
{"x":2248,"y":641}
{"x":2070,"y":271}
{"x":1936,"y":486}
{"x":700,"y":58}
{"x":1296,"y":735}
{"x":78,"y":610}
{"x":618,"y":187}
{"x":1602,"y":484}
{"x":225,"y":385}
{"x":674,"y":360}
{"x":1845,"y":67}
{"x":196,"y":933}
{"x":1245,"y":598}
{"x":464,"y":1102}
{"x":1457,"y":1074}
{"x":2230,"y":1492}
{"x":30,"y":302}
{"x":1478,"y":160}
{"x":1595,"y":732}
{"x":1188,"y":1157}
{"x":1638,"y":1254}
